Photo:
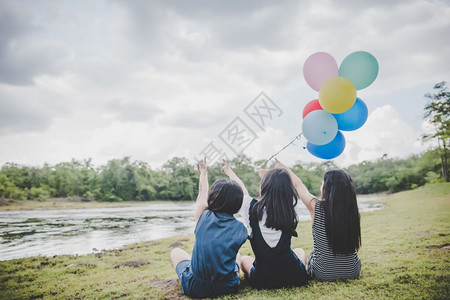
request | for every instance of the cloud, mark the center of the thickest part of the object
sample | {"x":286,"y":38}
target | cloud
{"x":14,"y":22}
{"x":28,"y":110}
{"x":19,"y":116}
{"x":194,"y":119}
{"x":181,"y":71}
{"x":267,"y":42}
{"x":384,"y":133}
{"x":24,"y":52}
{"x":132,"y":111}
{"x":231,"y":25}
{"x":272,"y":140}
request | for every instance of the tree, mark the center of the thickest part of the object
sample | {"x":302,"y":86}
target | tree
{"x":437,"y":111}
{"x":182,"y":179}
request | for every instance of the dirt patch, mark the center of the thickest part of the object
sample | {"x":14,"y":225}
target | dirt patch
{"x":150,"y":243}
{"x":178,"y":243}
{"x":117,"y":252}
{"x":424,"y":233}
{"x":405,"y":279}
{"x":87,"y":265}
{"x":70,"y":199}
{"x":439,"y":247}
{"x":4,"y":202}
{"x":133,"y":263}
{"x":167,"y":284}
{"x":170,"y":286}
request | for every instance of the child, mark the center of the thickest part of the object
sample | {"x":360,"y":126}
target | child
{"x":272,"y":220}
{"x":212,"y":271}
{"x":336,"y":226}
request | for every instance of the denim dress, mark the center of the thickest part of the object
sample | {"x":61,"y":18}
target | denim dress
{"x":213,"y":271}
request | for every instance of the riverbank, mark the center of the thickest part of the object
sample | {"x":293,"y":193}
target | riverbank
{"x":71,"y":203}
{"x":78,"y":202}
{"x":405,"y":255}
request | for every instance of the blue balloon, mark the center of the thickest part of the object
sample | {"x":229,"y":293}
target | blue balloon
{"x":353,"y":118}
{"x":319,"y":127}
{"x":330,"y":150}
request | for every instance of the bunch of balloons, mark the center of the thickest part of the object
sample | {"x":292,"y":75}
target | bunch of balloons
{"x":337,"y":108}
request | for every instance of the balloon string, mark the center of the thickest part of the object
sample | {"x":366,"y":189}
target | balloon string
{"x":290,"y":143}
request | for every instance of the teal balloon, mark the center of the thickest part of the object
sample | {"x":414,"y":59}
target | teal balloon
{"x":319,"y":127}
{"x":359,"y":67}
{"x":353,"y":118}
{"x":330,"y":150}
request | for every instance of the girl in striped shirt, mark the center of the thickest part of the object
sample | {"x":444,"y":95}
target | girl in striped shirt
{"x":336,"y":226}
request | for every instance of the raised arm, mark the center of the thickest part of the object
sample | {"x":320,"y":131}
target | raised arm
{"x":228,"y":171}
{"x":262,"y":172}
{"x":308,"y":199}
{"x":203,"y":187}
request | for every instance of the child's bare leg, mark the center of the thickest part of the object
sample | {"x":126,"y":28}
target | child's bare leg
{"x":247,"y":264}
{"x":300,"y":254}
{"x":238,"y":261}
{"x":177,"y":255}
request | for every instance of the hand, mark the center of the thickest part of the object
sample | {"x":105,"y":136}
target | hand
{"x":226,"y":167}
{"x":279,"y":165}
{"x":262,"y":172}
{"x":201,"y":166}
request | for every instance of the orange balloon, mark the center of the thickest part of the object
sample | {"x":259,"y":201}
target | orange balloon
{"x":337,"y":95}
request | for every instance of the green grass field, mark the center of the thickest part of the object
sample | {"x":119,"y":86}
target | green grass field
{"x":405,"y":255}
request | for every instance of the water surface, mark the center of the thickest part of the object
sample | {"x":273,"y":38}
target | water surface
{"x":81,"y":231}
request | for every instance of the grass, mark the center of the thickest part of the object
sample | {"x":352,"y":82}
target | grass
{"x":405,"y":255}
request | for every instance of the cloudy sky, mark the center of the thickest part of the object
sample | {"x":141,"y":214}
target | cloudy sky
{"x":158,"y":79}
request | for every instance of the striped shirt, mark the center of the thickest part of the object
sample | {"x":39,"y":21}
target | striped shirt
{"x":323,"y":264}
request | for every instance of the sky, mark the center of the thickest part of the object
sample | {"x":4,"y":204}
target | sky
{"x":153,"y":80}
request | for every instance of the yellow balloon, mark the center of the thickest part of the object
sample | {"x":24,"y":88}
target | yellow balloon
{"x":337,"y":95}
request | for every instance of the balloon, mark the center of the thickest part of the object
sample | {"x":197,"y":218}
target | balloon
{"x":353,"y":118}
{"x":319,"y":127}
{"x":318,"y":68}
{"x":311,"y":106}
{"x":360,"y":67}
{"x":337,"y":95}
{"x":330,"y":150}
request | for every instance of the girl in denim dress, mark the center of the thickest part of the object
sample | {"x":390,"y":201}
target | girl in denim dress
{"x":213,"y":269}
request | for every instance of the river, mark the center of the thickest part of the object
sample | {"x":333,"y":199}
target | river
{"x":81,"y":231}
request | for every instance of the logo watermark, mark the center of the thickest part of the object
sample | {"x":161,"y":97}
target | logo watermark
{"x":232,"y":141}
{"x":242,"y":131}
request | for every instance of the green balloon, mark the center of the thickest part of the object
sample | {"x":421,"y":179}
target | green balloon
{"x":361,"y":68}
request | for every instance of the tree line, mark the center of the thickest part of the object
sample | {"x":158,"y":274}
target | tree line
{"x":177,"y":180}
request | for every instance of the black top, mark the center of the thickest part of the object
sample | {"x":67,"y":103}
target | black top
{"x":275,"y":267}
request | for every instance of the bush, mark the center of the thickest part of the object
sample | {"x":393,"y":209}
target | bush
{"x":39,"y":194}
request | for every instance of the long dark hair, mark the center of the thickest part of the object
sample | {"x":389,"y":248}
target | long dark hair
{"x":278,"y":199}
{"x":341,"y":212}
{"x":226,"y":196}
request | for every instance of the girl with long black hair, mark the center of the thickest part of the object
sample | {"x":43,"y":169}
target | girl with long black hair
{"x":336,"y":226}
{"x":272,"y":221}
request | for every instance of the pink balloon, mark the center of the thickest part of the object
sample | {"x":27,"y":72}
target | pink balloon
{"x":318,"y":68}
